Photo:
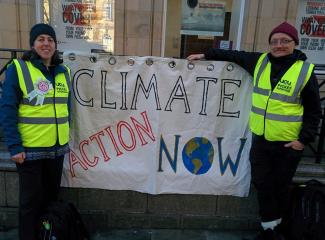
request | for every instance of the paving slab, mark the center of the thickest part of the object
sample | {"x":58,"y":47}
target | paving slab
{"x":153,"y":234}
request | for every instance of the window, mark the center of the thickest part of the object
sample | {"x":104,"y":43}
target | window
{"x":108,"y":43}
{"x":90,"y":5}
{"x":107,"y":10}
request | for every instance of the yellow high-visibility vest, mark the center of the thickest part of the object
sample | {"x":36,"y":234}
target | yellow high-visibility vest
{"x":278,"y":114}
{"x":43,"y":113}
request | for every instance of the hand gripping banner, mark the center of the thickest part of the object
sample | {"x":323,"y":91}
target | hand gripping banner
{"x":158,"y":125}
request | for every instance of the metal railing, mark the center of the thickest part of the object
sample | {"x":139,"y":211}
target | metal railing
{"x":317,"y":149}
{"x":13,"y":53}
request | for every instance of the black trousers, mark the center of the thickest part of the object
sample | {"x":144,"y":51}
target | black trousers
{"x":39,"y":183}
{"x":273,"y":167}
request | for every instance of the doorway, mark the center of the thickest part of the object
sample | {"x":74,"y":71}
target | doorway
{"x":194,"y":26}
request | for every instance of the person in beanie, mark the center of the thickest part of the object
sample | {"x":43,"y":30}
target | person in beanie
{"x":284,"y":118}
{"x":34,"y":112}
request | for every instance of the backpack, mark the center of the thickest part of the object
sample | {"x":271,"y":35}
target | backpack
{"x":62,"y":221}
{"x":307,"y":221}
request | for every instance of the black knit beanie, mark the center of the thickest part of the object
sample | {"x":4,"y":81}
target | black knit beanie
{"x":41,"y":28}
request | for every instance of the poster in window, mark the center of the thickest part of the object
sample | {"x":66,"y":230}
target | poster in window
{"x":310,"y":23}
{"x":82,"y":24}
{"x":203,"y":17}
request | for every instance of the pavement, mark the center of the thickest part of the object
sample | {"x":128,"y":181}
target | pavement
{"x":153,"y":234}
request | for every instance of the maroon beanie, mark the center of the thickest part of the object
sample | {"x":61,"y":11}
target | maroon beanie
{"x":287,"y":29}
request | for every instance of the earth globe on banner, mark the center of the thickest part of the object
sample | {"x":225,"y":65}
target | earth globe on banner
{"x":198,"y":155}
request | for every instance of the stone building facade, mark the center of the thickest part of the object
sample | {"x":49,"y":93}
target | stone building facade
{"x":148,"y":27}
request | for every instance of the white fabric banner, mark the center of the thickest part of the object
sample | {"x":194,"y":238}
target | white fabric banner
{"x":158,"y":125}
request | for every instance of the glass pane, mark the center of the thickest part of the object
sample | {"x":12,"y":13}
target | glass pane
{"x":83,"y":24}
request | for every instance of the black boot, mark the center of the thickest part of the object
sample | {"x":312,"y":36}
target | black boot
{"x":284,"y":229}
{"x":280,"y":233}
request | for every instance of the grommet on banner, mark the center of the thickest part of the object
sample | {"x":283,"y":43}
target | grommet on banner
{"x":130,"y":61}
{"x":149,"y":61}
{"x":72,"y":56}
{"x":230,"y":67}
{"x":112,"y":60}
{"x":190,"y":66}
{"x":210,"y":67}
{"x":93,"y":59}
{"x":172,"y":64}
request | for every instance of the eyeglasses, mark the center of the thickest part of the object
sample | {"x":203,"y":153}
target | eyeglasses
{"x":282,"y":41}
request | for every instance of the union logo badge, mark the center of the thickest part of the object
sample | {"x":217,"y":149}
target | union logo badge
{"x":41,"y":88}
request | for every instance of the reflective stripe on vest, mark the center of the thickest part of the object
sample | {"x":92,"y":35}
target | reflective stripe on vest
{"x":44,"y":124}
{"x":44,"y":120}
{"x":48,"y":100}
{"x":277,"y":117}
{"x":278,"y":114}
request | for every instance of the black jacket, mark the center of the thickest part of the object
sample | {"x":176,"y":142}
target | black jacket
{"x":309,"y":95}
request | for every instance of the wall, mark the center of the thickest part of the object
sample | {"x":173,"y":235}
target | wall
{"x":138,"y":27}
{"x":103,"y":209}
{"x":173,"y":26}
{"x":261,"y":16}
{"x":16,"y":18}
{"x":139,"y":24}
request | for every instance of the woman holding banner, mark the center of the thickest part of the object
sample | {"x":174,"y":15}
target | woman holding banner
{"x":284,"y":118}
{"x":34,"y":116}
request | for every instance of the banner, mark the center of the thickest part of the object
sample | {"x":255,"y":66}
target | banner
{"x":203,"y":17}
{"x":158,"y":125}
{"x":310,"y":23}
{"x":83,"y":25}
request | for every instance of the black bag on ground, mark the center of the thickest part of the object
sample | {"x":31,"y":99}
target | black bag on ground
{"x":307,"y":220}
{"x":62,"y":221}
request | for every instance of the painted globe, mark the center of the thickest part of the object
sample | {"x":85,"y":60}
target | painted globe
{"x":198,"y":155}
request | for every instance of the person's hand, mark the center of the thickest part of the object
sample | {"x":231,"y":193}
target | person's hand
{"x":19,"y":157}
{"x":195,"y":57}
{"x":296,"y":145}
